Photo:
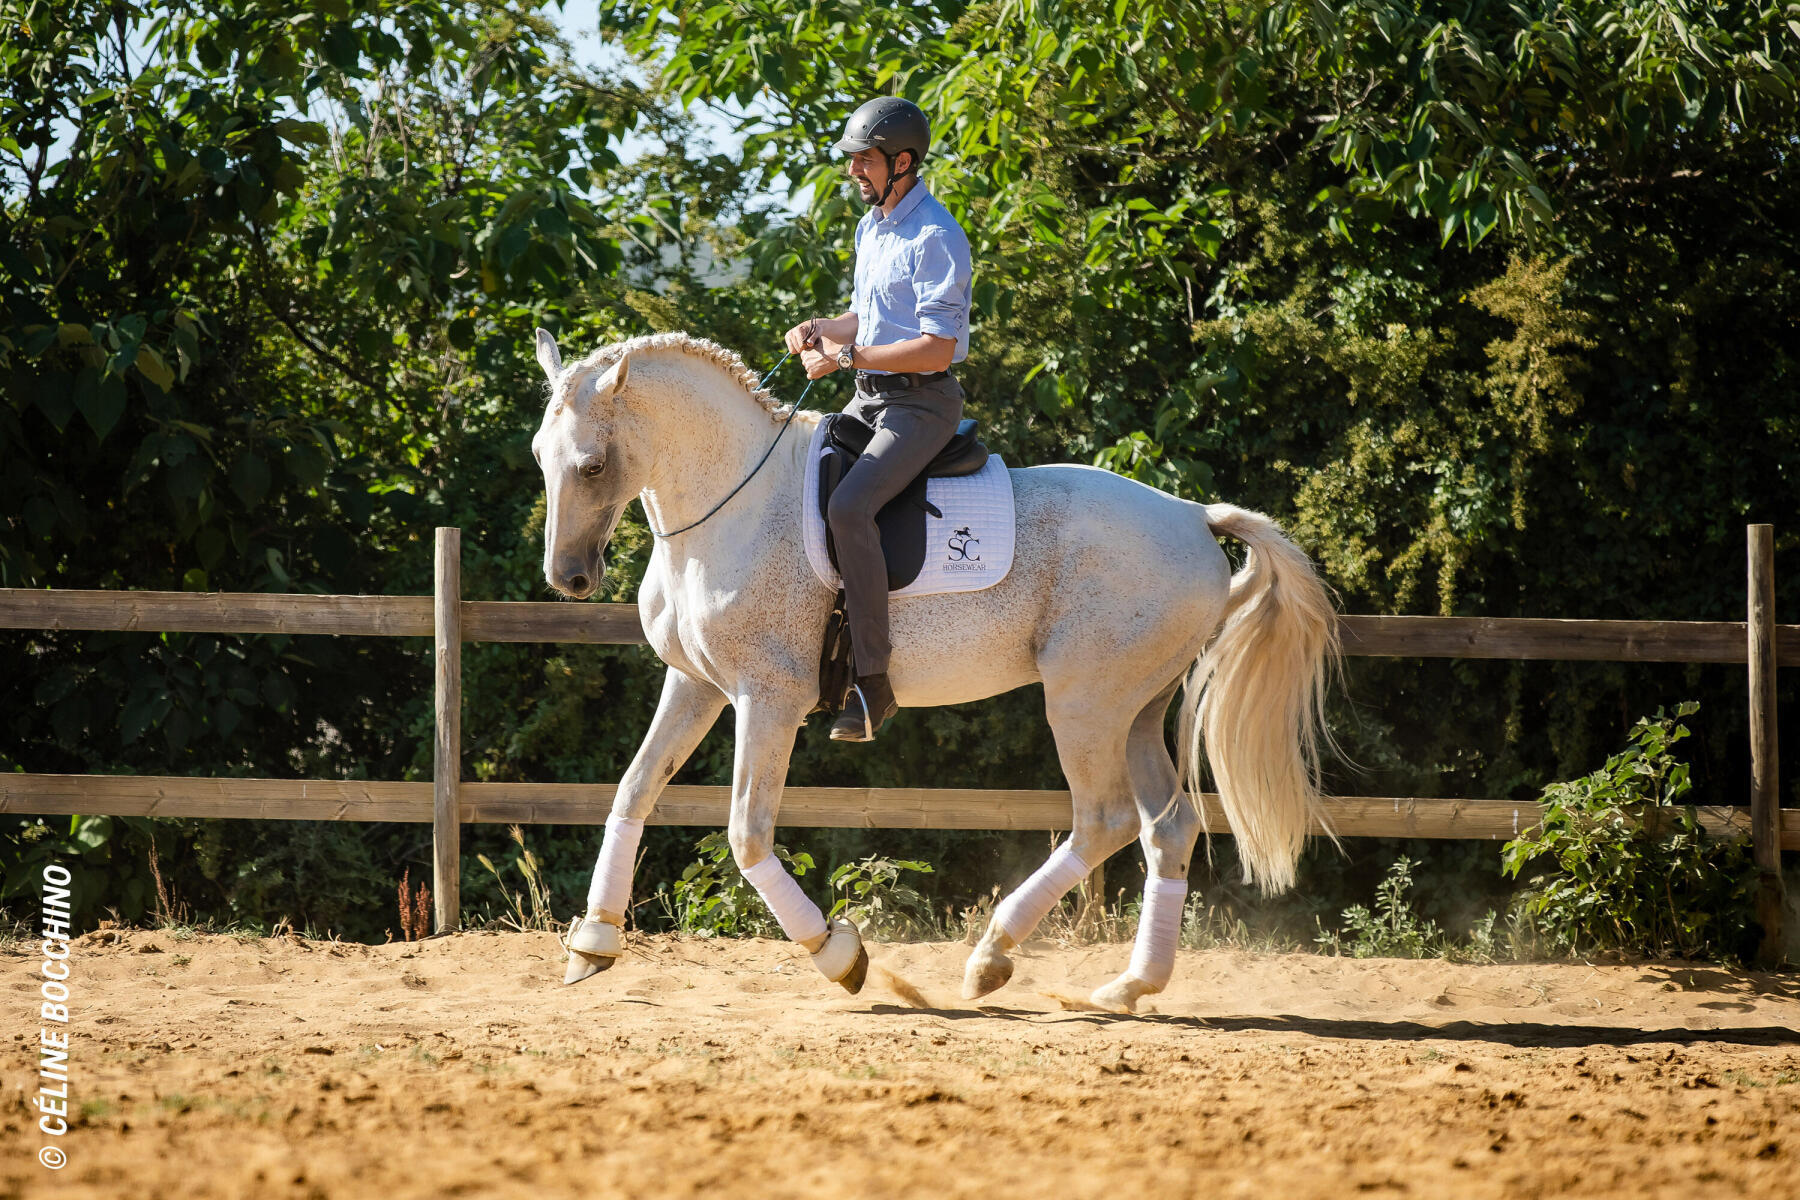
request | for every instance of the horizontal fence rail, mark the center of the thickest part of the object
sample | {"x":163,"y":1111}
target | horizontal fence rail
{"x":1757,"y":643}
{"x":343,"y":616}
{"x":1723,"y":642}
{"x":801,"y":807}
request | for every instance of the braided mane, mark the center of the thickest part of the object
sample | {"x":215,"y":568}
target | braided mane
{"x":693,"y":347}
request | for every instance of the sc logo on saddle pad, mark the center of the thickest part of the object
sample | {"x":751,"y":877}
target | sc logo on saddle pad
{"x":967,"y":526}
{"x":962,"y":557}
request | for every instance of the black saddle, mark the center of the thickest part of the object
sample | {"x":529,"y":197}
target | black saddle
{"x":902,"y":520}
{"x":902,"y":525}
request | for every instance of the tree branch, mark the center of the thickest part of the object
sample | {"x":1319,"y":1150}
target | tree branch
{"x":320,"y":352}
{"x":280,"y":313}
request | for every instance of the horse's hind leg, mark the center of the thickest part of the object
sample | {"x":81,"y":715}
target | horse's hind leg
{"x":1090,"y":743}
{"x":1170,"y":826}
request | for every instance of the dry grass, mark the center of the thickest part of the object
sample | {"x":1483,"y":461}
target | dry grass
{"x":415,"y":909}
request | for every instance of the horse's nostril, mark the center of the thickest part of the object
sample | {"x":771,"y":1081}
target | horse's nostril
{"x":578,"y":583}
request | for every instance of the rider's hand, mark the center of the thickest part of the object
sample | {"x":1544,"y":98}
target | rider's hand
{"x":818,"y":364}
{"x":801,"y":336}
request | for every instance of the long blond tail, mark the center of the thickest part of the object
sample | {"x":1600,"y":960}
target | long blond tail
{"x":1257,"y":695}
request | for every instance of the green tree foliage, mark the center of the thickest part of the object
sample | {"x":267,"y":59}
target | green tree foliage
{"x":261,"y":316}
{"x":1488,"y":302}
{"x":1492,"y":304}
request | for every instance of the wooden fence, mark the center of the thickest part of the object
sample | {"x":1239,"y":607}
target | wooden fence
{"x":1756,"y":642}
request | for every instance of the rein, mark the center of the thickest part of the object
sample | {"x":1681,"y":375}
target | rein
{"x":759,"y":462}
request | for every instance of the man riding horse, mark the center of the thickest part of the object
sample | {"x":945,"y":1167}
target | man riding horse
{"x":907,"y":324}
{"x":1116,"y":592}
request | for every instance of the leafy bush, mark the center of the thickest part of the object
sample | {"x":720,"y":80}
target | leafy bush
{"x":105,"y":855}
{"x":1393,"y":929}
{"x":713,"y":899}
{"x":1635,"y":871}
{"x":874,"y":898}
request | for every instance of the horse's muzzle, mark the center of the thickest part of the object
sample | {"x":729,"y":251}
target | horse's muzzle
{"x":575,"y":578}
{"x":577,"y":575}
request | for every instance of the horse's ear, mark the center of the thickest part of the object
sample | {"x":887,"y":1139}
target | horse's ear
{"x":614,"y":383}
{"x":548,"y":356}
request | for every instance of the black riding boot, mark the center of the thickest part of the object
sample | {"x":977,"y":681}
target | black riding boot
{"x":867,"y":708}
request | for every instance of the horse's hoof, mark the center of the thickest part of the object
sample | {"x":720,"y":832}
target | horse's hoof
{"x":1121,"y":995}
{"x":593,"y":946}
{"x":583,"y":966}
{"x":842,"y":958}
{"x":984,"y":975}
{"x":859,"y":971}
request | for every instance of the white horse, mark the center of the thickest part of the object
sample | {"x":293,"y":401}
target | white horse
{"x":1116,"y":590}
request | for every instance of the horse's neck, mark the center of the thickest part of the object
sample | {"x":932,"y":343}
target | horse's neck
{"x":709,"y":438}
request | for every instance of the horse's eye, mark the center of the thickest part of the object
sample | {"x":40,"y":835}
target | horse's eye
{"x":591,"y":469}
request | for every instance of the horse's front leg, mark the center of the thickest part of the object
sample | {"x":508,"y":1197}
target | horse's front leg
{"x":765,"y":743}
{"x":686,"y":711}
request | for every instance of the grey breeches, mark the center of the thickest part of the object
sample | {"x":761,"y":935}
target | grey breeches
{"x":911,"y":426}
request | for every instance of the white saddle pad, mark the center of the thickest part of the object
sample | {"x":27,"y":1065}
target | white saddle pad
{"x":969,"y":548}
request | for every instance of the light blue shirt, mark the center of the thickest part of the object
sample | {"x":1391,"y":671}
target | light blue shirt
{"x":912,"y":274}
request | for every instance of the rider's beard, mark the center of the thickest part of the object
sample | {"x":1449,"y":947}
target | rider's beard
{"x":866,"y":192}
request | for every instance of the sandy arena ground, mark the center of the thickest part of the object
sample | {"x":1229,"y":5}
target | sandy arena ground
{"x":460,"y":1066}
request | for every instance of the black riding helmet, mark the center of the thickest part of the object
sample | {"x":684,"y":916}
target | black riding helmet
{"x":890,"y":125}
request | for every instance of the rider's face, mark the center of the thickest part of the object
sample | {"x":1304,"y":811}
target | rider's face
{"x":870,"y":170}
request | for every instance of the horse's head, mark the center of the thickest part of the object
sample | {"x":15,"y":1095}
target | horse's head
{"x":593,"y":464}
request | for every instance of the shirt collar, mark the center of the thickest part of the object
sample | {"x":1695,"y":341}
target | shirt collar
{"x":913,"y":198}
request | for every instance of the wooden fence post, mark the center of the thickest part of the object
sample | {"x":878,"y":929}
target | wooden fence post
{"x":446,"y":761}
{"x":1765,"y":770}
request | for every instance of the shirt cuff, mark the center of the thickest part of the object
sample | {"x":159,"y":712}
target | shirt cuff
{"x":944,"y":327}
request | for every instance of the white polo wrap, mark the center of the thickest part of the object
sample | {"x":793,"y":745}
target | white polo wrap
{"x":611,"y":889}
{"x":1020,"y":912}
{"x":1159,"y":930}
{"x":798,"y":917}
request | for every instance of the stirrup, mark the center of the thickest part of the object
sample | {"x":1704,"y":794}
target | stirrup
{"x":862,"y":702}
{"x":869,"y":728}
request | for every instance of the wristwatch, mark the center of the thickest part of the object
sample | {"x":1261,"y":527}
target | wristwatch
{"x":847,"y":356}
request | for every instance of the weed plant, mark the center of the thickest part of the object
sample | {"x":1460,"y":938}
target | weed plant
{"x":527,"y":911}
{"x":713,"y":899}
{"x":1393,"y":929}
{"x":1632,"y":869}
{"x":871,"y":893}
{"x":15,"y":933}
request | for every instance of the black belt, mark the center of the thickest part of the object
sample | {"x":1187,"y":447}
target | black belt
{"x":876,"y":383}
